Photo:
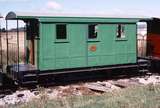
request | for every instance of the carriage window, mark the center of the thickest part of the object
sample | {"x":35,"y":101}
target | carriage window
{"x":92,"y":31}
{"x":61,"y":31}
{"x":120,"y":31}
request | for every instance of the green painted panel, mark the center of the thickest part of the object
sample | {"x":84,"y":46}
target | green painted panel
{"x":111,"y":51}
{"x":107,"y":60}
{"x":93,"y":61}
{"x":121,"y":47}
{"x":78,"y":46}
{"x":132,"y":58}
{"x":77,"y":35}
{"x":78,"y":51}
{"x":131,"y":32}
{"x":78,"y":62}
{"x":107,"y":34}
{"x":47,"y":40}
{"x":47,"y":64}
{"x":94,"y":54}
{"x":121,"y":58}
{"x":92,"y":51}
{"x":61,"y":55}
{"x":61,"y":50}
{"x":61,"y":63}
{"x":47,"y":48}
{"x":125,"y":47}
{"x":132,"y":43}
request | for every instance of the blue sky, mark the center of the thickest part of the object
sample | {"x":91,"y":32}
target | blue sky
{"x":137,"y":7}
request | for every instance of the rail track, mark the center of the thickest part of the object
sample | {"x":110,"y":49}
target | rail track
{"x":67,"y":79}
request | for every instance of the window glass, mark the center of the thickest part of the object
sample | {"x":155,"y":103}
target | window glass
{"x":61,"y":31}
{"x":92,"y":31}
{"x":120,"y":31}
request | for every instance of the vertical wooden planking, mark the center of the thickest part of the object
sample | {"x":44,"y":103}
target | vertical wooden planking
{"x":77,"y":45}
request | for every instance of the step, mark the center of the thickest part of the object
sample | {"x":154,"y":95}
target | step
{"x":143,"y":65}
{"x":145,"y":70}
{"x":29,"y":82}
{"x":149,"y":73}
{"x":30,"y":75}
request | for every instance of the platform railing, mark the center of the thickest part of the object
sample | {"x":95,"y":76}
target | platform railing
{"x":12,"y":47}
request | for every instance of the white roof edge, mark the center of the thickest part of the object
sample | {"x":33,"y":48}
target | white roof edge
{"x":62,"y":14}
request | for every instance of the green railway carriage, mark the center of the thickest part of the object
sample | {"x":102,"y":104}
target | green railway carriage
{"x":62,"y":41}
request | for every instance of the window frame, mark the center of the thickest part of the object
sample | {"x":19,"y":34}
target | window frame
{"x":88,"y":35}
{"x":121,"y":32}
{"x":61,"y":40}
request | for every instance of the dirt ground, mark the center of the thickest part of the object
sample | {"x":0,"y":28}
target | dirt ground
{"x":80,"y":89}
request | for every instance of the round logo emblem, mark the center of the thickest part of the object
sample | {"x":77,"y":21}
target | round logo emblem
{"x":93,"y":48}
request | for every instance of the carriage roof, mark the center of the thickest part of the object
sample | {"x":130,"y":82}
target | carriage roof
{"x":32,"y":15}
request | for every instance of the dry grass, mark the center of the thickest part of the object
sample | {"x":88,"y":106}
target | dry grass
{"x":135,"y":97}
